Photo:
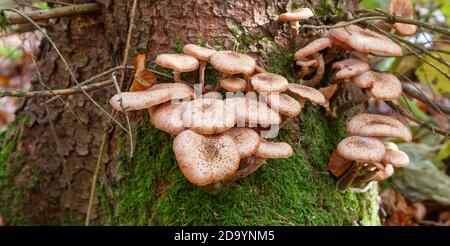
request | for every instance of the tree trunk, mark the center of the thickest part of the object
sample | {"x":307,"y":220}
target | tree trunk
{"x":50,"y":171}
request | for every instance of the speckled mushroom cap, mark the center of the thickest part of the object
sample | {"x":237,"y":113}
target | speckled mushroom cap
{"x":246,"y":139}
{"x":363,"y":80}
{"x":386,"y":86}
{"x":402,"y":8}
{"x":396,"y":158}
{"x":284,"y":104}
{"x":350,"y":67}
{"x":365,"y":40}
{"x":313,"y":47}
{"x":337,"y":164}
{"x":229,"y":62}
{"x":374,"y":125}
{"x":307,"y":92}
{"x":385,"y":173}
{"x":296,"y":15}
{"x":269,"y":82}
{"x":168,"y":117}
{"x":145,"y":99}
{"x":206,"y":159}
{"x":233,"y":84}
{"x":208,"y":116}
{"x":177,"y":62}
{"x":361,"y":149}
{"x":180,"y":86}
{"x":268,"y":149}
{"x":252,"y":111}
{"x":201,"y":53}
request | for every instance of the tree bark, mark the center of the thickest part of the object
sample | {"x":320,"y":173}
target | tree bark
{"x":58,"y":151}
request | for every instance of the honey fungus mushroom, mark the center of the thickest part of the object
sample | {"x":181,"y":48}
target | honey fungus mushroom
{"x":353,"y":37}
{"x":206,"y":159}
{"x":168,"y":117}
{"x":350,"y":67}
{"x":284,"y":104}
{"x":179,"y":63}
{"x":269,"y":82}
{"x":246,"y":139}
{"x":252,"y":112}
{"x":303,"y":93}
{"x":293,"y":18}
{"x":230,"y":62}
{"x":202,"y":54}
{"x":268,"y":150}
{"x":403,"y":8}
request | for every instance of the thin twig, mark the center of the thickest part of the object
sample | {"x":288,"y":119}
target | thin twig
{"x":80,"y":9}
{"x":427,"y":125}
{"x":72,"y":75}
{"x":127,"y":44}
{"x":51,"y":92}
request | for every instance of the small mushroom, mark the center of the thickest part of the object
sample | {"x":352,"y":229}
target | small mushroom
{"x":168,"y":117}
{"x":319,"y":72}
{"x":203,"y":55}
{"x":246,"y":139}
{"x":361,"y":149}
{"x":293,"y":18}
{"x":363,"y":80}
{"x":313,"y":48}
{"x":391,"y":146}
{"x":253,"y":112}
{"x":208,"y":116}
{"x":213,"y":94}
{"x":383,"y":174}
{"x":307,"y":63}
{"x":364,"y":40}
{"x":373,"y":125}
{"x":269,"y":82}
{"x":229,"y":62}
{"x":284,"y":104}
{"x":386,"y":86}
{"x":145,"y":99}
{"x":350,"y":67}
{"x":303,"y":93}
{"x":268,"y":149}
{"x":396,"y":158}
{"x":403,"y":8}
{"x":233,"y":84}
{"x":179,"y":63}
{"x":143,"y":78}
{"x":206,"y":159}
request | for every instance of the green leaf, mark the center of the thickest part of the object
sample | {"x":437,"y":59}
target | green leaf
{"x":428,"y":74}
{"x":412,"y":106}
{"x":10,"y":52}
{"x":445,"y":9}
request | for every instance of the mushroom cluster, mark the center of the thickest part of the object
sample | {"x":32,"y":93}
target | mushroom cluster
{"x":218,"y":140}
{"x":363,"y":157}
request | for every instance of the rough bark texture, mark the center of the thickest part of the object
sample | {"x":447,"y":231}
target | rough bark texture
{"x":51,"y":168}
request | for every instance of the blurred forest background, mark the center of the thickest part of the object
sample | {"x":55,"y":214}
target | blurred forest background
{"x":419,"y":194}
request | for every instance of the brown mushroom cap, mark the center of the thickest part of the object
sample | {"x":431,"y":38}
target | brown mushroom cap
{"x":313,"y":47}
{"x":396,"y":158}
{"x":386,"y":87}
{"x":180,"y":86}
{"x":391,"y":146}
{"x":246,"y":139}
{"x":168,"y":117}
{"x":252,"y":111}
{"x":213,"y":94}
{"x":361,"y":149}
{"x":363,"y":80}
{"x":307,"y":92}
{"x":177,"y":62}
{"x":284,"y":104}
{"x":296,"y":15}
{"x":402,"y":8}
{"x":350,"y":67}
{"x":201,"y":53}
{"x":374,"y":125}
{"x":338,"y":165}
{"x":229,"y":62}
{"x":269,"y":82}
{"x":206,"y":159}
{"x":268,"y":149}
{"x":365,"y":40}
{"x":385,"y":173}
{"x":233,"y":84}
{"x":145,"y":99}
{"x":208,"y":116}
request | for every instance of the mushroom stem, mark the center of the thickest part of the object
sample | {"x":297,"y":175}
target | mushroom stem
{"x":346,"y":180}
{"x":350,"y":104}
{"x":294,"y":32}
{"x":177,"y":76}
{"x":201,"y":71}
{"x":319,"y":73}
{"x":250,"y":164}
